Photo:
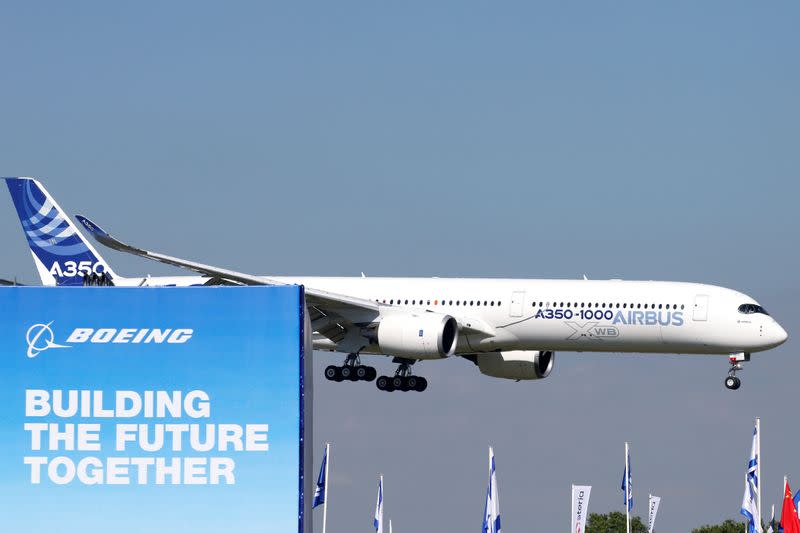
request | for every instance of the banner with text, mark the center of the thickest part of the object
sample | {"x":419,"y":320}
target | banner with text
{"x":580,"y":507}
{"x":655,"y":501}
{"x":144,"y":409}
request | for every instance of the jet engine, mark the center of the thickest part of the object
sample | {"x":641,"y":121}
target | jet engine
{"x":423,"y":336}
{"x":517,"y":364}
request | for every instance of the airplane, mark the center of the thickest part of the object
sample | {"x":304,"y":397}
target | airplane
{"x":509,"y":328}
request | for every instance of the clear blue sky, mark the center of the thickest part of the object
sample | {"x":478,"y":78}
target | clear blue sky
{"x":616,"y":139}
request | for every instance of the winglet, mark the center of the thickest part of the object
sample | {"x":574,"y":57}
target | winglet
{"x":91,"y":227}
{"x":105,"y":238}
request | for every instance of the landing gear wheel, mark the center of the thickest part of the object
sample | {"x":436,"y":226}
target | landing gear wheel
{"x":361,"y":373}
{"x":732,"y":382}
{"x":422,"y":384}
{"x":371,"y":374}
{"x":735,"y":360}
{"x":383,"y":383}
{"x":330,"y":372}
{"x":346,"y":372}
{"x":397,"y":383}
{"x":411,"y":383}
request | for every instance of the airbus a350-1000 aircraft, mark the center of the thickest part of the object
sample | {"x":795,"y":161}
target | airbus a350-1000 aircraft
{"x":509,"y":328}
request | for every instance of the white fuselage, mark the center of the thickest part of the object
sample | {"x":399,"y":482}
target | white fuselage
{"x":567,"y":315}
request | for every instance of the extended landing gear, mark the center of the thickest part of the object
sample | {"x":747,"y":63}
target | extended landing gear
{"x":402,"y":380}
{"x":351,"y":370}
{"x":736,"y":360}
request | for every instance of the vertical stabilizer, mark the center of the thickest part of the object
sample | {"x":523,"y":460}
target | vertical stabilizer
{"x":62,"y":255}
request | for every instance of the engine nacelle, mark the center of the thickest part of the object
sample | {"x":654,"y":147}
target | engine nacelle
{"x":517,"y":364}
{"x":423,"y":336}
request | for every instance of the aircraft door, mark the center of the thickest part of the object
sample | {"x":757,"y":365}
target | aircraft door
{"x":700,"y":313}
{"x":517,"y":302}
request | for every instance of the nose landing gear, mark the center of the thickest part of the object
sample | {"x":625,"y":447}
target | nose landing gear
{"x":735,"y":360}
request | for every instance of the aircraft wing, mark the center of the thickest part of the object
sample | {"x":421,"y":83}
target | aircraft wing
{"x":333,"y":304}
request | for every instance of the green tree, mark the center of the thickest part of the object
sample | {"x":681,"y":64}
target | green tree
{"x":728,"y":526}
{"x":613,"y":523}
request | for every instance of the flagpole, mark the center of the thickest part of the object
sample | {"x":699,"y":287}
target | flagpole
{"x":627,"y":490}
{"x":758,"y":468}
{"x":572,"y":507}
{"x":327,"y":493}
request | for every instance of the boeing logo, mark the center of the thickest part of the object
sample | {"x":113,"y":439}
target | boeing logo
{"x":40,"y":337}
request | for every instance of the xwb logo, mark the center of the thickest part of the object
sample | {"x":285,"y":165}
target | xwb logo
{"x":592,"y":331}
{"x":40,"y":338}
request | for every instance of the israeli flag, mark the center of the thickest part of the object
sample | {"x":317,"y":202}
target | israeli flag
{"x":751,"y":507}
{"x":322,"y":480}
{"x":378,"y":522}
{"x":491,"y":510}
{"x":627,"y":480}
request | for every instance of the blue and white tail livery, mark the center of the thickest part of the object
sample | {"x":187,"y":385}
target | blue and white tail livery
{"x":61,"y":254}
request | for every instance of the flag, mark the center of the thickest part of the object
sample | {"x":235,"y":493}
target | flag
{"x":796,"y":498}
{"x":322,"y":480}
{"x":789,"y":520}
{"x":751,"y":507}
{"x":487,"y":512}
{"x":627,"y":480}
{"x":771,"y":528}
{"x":491,"y":510}
{"x":655,"y":501}
{"x":580,"y":507}
{"x":378,"y":522}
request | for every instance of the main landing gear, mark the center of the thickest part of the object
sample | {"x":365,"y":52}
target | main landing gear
{"x":402,"y":380}
{"x":736,"y":360}
{"x":351,"y":370}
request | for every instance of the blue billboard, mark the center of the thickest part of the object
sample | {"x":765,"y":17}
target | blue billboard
{"x":144,"y":409}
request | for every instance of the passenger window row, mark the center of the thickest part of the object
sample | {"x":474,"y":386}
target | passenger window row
{"x":470,"y":303}
{"x":605,"y":305}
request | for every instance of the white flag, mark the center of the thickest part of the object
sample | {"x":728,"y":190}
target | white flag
{"x":491,"y":512}
{"x":580,"y":507}
{"x":651,"y":519}
{"x":378,"y":521}
{"x":751,"y":505}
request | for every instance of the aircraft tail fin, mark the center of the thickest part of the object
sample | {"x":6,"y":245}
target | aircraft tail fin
{"x":61,"y":253}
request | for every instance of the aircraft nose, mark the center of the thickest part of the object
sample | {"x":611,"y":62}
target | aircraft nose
{"x":780,"y":334}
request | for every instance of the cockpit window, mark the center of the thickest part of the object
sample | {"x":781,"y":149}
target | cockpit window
{"x":749,"y":309}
